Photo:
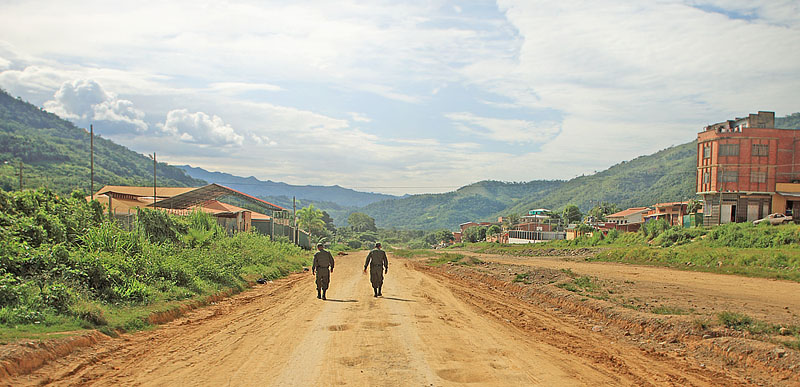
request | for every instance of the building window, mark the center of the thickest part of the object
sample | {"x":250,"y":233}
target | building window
{"x":760,"y":150}
{"x":707,"y":152}
{"x":729,"y":149}
{"x":758,"y":177}
{"x":706,"y":177}
{"x":729,"y":177}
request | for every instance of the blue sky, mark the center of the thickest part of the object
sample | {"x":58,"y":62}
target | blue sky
{"x":402,"y":97}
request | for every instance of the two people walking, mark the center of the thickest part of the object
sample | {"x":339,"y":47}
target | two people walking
{"x":323,"y":263}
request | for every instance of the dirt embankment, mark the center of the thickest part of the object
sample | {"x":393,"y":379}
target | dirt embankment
{"x":755,"y":359}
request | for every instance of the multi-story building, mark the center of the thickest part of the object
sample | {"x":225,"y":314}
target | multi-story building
{"x":747,"y":169}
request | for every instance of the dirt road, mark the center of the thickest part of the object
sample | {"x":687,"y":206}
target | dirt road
{"x":769,"y":300}
{"x":425,"y":331}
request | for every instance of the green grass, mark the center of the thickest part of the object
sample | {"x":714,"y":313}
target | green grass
{"x":773,"y":263}
{"x":412,"y":253}
{"x":445,"y":258}
{"x":521,"y":277}
{"x":579,"y":284}
{"x":669,"y":310}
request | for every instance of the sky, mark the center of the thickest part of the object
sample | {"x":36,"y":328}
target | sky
{"x":401,"y":96}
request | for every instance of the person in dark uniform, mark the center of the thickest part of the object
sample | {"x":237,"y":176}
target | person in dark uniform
{"x":322,"y":267}
{"x":378,"y":266}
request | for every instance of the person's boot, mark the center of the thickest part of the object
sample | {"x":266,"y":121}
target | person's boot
{"x":318,"y":294}
{"x":323,"y":294}
{"x":379,"y":292}
{"x":376,"y":292}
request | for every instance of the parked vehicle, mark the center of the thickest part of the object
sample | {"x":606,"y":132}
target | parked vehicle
{"x":774,"y":219}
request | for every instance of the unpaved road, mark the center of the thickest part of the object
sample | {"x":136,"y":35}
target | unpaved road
{"x":426,"y":330}
{"x":775,"y":301}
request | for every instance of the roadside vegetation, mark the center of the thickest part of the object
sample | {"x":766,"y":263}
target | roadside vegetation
{"x":740,"y":248}
{"x":65,"y":266}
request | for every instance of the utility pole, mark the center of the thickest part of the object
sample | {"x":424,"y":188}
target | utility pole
{"x":91,"y":159}
{"x":154,"y":175}
{"x":294,"y":220}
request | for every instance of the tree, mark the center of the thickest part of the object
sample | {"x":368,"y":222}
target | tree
{"x":600,"y":211}
{"x":445,"y":236}
{"x":437,"y":237}
{"x":493,"y":230}
{"x":310,"y":219}
{"x":360,"y":221}
{"x":326,"y":217}
{"x":511,"y":220}
{"x":693,"y":206}
{"x":572,"y":213}
{"x":470,"y":234}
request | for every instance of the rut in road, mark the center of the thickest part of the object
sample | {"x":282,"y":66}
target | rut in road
{"x":426,"y":330}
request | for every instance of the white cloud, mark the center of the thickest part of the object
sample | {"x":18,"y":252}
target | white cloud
{"x":240,"y":87}
{"x":359,"y":117}
{"x":200,"y":128}
{"x":506,"y":130}
{"x":615,"y":79}
{"x":85,"y":101}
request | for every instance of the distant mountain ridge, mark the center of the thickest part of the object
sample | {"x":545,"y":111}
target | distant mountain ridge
{"x":55,"y":154}
{"x":269,"y":189}
{"x":477,"y":201}
{"x":667,"y":175}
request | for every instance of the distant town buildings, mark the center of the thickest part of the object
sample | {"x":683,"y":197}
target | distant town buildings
{"x":747,"y":169}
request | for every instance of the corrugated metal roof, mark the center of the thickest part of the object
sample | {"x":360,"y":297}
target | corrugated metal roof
{"x":211,"y":192}
{"x":162,"y":192}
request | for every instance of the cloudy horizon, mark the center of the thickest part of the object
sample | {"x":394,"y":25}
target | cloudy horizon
{"x":417,"y":97}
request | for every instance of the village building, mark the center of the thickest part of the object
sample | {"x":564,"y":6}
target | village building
{"x":122,"y":202}
{"x":671,"y":212}
{"x":630,"y":216}
{"x":748,"y":169}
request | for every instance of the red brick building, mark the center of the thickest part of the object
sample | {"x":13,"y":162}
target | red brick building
{"x":741,"y":163}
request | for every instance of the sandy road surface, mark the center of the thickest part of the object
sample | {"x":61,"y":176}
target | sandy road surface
{"x":770,"y":300}
{"x":427,"y":330}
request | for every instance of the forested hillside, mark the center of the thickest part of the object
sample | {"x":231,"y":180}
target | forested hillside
{"x":55,"y":154}
{"x":667,"y":175}
{"x":792,"y":121}
{"x":475,"y":201}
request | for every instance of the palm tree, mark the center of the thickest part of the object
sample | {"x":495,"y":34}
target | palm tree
{"x":310,"y":219}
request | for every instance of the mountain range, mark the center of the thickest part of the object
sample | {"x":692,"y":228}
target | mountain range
{"x":281,"y":192}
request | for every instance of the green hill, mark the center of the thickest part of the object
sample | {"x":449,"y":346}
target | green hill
{"x":55,"y":154}
{"x":667,"y":175}
{"x":434,"y":211}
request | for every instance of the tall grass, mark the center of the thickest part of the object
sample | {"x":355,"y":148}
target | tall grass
{"x":74,"y":268}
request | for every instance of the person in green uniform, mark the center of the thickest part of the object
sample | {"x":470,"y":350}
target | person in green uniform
{"x":378,"y":266}
{"x":322,"y":267}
